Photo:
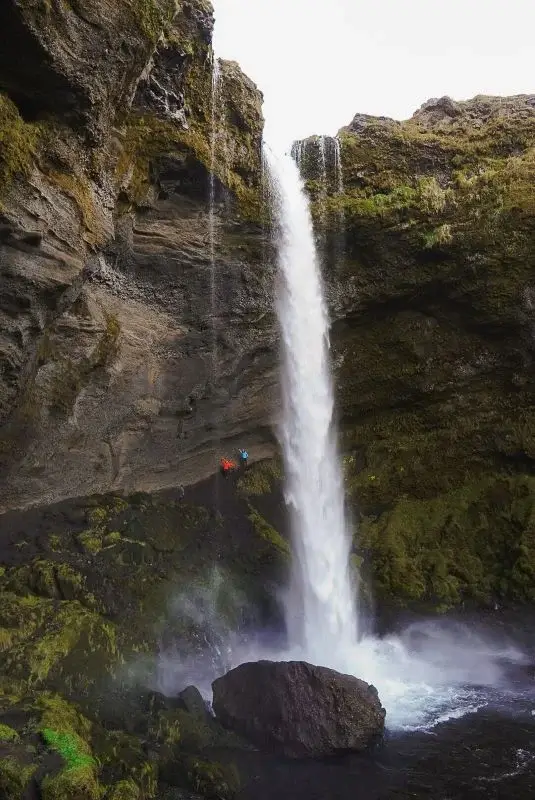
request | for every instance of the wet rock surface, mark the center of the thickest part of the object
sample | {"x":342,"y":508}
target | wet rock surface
{"x":297,"y":709}
{"x":126,"y":354}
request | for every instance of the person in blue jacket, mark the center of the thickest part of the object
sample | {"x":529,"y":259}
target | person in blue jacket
{"x":244,"y":455}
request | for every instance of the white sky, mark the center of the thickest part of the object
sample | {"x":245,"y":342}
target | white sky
{"x":319,"y":62}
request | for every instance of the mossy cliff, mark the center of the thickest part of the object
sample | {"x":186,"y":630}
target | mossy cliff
{"x":433,"y":301}
{"x":109,"y":134}
{"x":92,"y":591}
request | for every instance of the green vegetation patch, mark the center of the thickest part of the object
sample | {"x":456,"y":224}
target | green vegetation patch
{"x":277,"y":545}
{"x":475,"y":542}
{"x":15,"y":775}
{"x":260,"y":478}
{"x":18,"y":143}
{"x":153,"y":16}
{"x":8,"y":734}
{"x":67,"y":732}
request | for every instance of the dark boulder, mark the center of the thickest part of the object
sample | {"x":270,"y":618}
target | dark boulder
{"x":297,"y":709}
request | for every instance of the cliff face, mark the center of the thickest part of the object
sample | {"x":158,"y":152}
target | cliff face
{"x":130,"y":358}
{"x":434,"y":311}
{"x":110,"y":311}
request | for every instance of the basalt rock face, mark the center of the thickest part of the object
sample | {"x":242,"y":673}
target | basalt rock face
{"x":428,"y":234}
{"x":297,"y":709}
{"x":110,"y":311}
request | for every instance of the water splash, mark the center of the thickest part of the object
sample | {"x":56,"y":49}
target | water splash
{"x":320,"y":609}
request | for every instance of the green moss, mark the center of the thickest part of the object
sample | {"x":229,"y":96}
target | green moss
{"x":153,"y":16}
{"x":91,"y":541}
{"x":79,"y":783}
{"x":81,"y":191}
{"x":6,"y":639}
{"x":124,"y":790}
{"x":419,"y":550}
{"x":14,"y":778}
{"x":8,"y":734}
{"x":123,"y":757}
{"x":167,"y":728}
{"x":44,"y":633}
{"x":438,"y":237}
{"x":260,"y":478}
{"x":97,"y":516}
{"x":118,"y":504}
{"x":112,"y":538}
{"x":212,"y":780}
{"x":66,"y":731}
{"x":276,"y":544}
{"x":70,"y":747}
{"x":18,"y":143}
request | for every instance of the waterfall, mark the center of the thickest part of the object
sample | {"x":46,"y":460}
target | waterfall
{"x":321,"y":609}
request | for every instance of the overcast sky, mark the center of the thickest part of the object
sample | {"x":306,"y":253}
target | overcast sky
{"x":319,"y":62}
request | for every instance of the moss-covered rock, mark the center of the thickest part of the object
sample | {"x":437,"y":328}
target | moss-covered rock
{"x":431,"y":288}
{"x":124,"y":790}
{"x":18,"y":141}
{"x":260,"y":478}
{"x":79,"y":630}
{"x":15,"y":774}
{"x":153,"y":140}
{"x":8,"y":734}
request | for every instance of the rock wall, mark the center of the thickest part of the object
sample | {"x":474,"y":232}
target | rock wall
{"x":126,"y":367}
{"x":429,"y":253}
{"x":107,"y":326}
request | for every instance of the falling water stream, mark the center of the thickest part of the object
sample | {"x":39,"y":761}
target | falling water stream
{"x":321,"y":612}
{"x":212,"y":212}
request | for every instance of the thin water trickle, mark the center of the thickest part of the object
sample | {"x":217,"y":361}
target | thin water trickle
{"x":212,"y":232}
{"x":340,"y":241}
{"x":216,"y":74}
{"x":338,"y":174}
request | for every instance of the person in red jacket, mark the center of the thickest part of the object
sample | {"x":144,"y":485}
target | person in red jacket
{"x":226,"y":466}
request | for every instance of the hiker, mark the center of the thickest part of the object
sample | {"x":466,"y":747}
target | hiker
{"x":226,"y":466}
{"x":181,"y":492}
{"x":244,"y":455}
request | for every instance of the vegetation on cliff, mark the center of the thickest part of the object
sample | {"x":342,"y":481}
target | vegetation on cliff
{"x":433,"y":346}
{"x":89,"y":590}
